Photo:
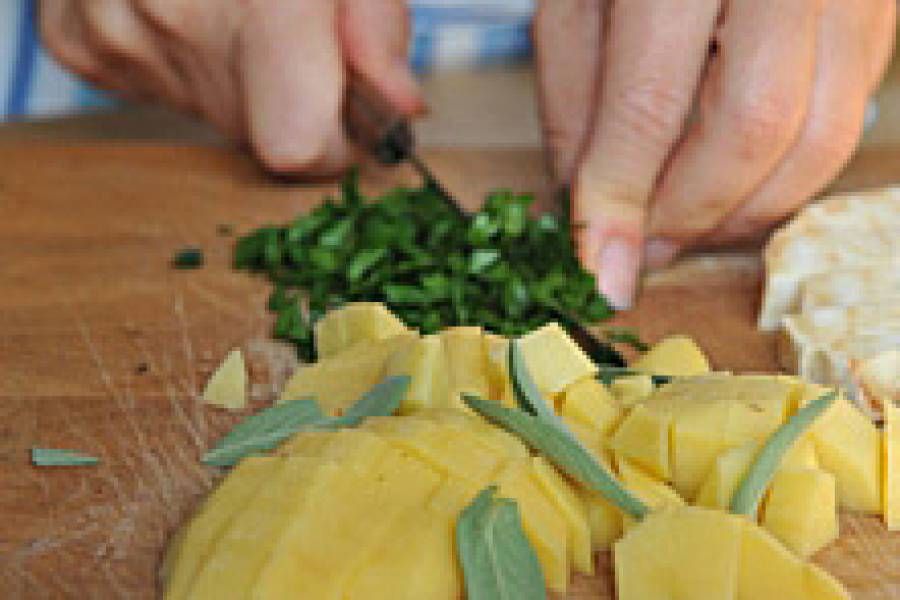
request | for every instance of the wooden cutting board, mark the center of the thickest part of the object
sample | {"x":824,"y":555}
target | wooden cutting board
{"x":103,"y":348}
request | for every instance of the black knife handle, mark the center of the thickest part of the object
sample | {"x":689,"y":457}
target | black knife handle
{"x":374,"y":124}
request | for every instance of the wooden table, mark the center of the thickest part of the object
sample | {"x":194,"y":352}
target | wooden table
{"x":103,"y":347}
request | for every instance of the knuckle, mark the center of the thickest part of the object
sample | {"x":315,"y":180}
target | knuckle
{"x":171,"y":17}
{"x":652,"y":108}
{"x":764,"y":122}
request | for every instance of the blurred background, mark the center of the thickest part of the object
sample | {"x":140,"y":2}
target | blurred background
{"x":473,"y":56}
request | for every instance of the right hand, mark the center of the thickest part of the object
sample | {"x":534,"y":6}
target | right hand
{"x":268,"y":72}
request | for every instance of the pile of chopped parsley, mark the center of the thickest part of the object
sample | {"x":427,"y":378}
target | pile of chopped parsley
{"x":499,"y":268}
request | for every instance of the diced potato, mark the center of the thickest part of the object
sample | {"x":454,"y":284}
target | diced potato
{"x":801,"y":454}
{"x":589,"y":437}
{"x":355,"y":323}
{"x":801,"y":510}
{"x":654,"y":493}
{"x":243,"y":548}
{"x":417,"y":561}
{"x":767,"y":569}
{"x":553,"y":359}
{"x":643,"y":437}
{"x":497,"y":348}
{"x":631,"y":389}
{"x":849,"y":447}
{"x":339,"y":381}
{"x":680,"y":552}
{"x":425,"y":362}
{"x":543,"y":524}
{"x":821,"y":585}
{"x":677,"y":355}
{"x":318,"y":550}
{"x":227,"y":386}
{"x":201,"y":534}
{"x":604,"y":520}
{"x":467,"y":363}
{"x":695,"y":453}
{"x":571,"y":506}
{"x":726,"y":475}
{"x":891,"y":468}
{"x":589,"y":401}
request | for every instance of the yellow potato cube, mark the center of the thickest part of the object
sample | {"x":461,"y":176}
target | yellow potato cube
{"x":726,"y":475}
{"x":643,"y":437}
{"x":801,"y":454}
{"x":891,"y":469}
{"x":553,"y":359}
{"x":425,"y":362}
{"x":848,"y":445}
{"x":497,"y":348}
{"x":467,"y":363}
{"x":631,"y":389}
{"x":340,"y":380}
{"x":544,"y":526}
{"x":694,"y":455}
{"x":589,"y":437}
{"x":677,"y":355}
{"x":680,"y":552}
{"x":354,"y":323}
{"x":767,"y":569}
{"x":589,"y":401}
{"x":227,"y":386}
{"x":801,"y":510}
{"x":604,"y":520}
{"x":571,"y":506}
{"x":656,"y":494}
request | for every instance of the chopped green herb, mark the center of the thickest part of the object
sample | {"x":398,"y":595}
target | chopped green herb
{"x":58,"y":457}
{"x":608,"y":374}
{"x":188,"y":258}
{"x":749,"y":493}
{"x":562,"y":450}
{"x":434,"y":267}
{"x":265,"y":430}
{"x":624,"y":335}
{"x":497,"y":560}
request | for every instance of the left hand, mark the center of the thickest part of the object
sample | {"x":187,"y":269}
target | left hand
{"x":780,"y":87}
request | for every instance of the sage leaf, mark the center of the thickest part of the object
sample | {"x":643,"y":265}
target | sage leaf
{"x":263,"y":431}
{"x":59,"y":457}
{"x":382,"y":400}
{"x":562,"y":449}
{"x":608,"y":374}
{"x":497,"y":561}
{"x":528,"y":396}
{"x":749,"y":493}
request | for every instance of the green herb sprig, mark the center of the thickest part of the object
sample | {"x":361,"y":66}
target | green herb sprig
{"x":749,"y":493}
{"x":59,"y":457}
{"x":497,"y":560}
{"x":499,"y":267}
{"x":188,"y":258}
{"x":265,"y":430}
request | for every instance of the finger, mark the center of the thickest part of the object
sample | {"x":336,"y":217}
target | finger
{"x":882,"y":32}
{"x":752,"y":105}
{"x":567,"y":38}
{"x":292,"y":78}
{"x":656,"y":52}
{"x":832,"y":128}
{"x":375,"y":42}
{"x":130,"y":48}
{"x":62,"y":32}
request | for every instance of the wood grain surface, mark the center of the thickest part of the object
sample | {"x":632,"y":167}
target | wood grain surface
{"x":103,"y":348}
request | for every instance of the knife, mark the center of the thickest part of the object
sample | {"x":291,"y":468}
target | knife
{"x":377,"y":127}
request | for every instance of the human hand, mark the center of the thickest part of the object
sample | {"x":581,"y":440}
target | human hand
{"x":269,"y":72}
{"x":780,"y":91}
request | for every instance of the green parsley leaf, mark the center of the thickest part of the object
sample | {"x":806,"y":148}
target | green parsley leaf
{"x":188,"y":258}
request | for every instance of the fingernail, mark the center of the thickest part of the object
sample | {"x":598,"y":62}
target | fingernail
{"x":620,"y":262}
{"x":658,"y":253}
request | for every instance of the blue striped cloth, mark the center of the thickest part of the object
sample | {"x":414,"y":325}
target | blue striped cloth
{"x":446,"y":33}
